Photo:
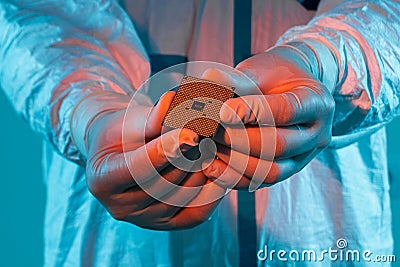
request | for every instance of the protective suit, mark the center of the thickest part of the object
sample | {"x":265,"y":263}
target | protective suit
{"x":53,"y":55}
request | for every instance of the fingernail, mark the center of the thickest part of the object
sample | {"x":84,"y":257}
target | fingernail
{"x":210,"y":169}
{"x":206,"y":164}
{"x":179,"y":141}
{"x":188,"y":139}
{"x":191,"y":138}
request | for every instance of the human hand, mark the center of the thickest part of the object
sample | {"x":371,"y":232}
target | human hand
{"x":286,"y":125}
{"x":128,"y":165}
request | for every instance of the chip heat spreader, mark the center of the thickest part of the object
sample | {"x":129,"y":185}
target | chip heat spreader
{"x":196,"y":106}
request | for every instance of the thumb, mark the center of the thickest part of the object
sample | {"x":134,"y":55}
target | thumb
{"x":117,"y":172}
{"x":231,"y":77}
{"x":156,"y":116}
{"x":250,"y":109}
{"x":218,"y":76}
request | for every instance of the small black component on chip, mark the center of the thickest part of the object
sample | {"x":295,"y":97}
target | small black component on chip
{"x":197,"y":105}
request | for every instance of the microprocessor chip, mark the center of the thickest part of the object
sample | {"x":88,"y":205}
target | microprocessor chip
{"x":196,"y":106}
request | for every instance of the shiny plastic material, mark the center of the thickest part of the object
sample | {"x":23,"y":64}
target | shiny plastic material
{"x":53,"y":54}
{"x":57,"y":53}
{"x":364,"y":37}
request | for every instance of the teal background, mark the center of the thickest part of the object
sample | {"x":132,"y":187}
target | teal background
{"x":22,"y":191}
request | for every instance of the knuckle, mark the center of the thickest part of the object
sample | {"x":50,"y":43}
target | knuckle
{"x":273,"y":174}
{"x":94,"y":186}
{"x":124,"y":213}
{"x":118,"y":215}
{"x":288,"y":111}
{"x":160,"y":148}
{"x":213,"y":171}
{"x":95,"y":178}
{"x":280,"y":146}
{"x":329,"y":104}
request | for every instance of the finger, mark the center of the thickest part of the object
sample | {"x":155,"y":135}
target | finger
{"x":140,"y":196}
{"x":197,"y":212}
{"x":182,"y":195}
{"x":157,"y":115}
{"x":143,"y":123}
{"x":257,"y":170}
{"x":228,"y":173}
{"x":156,"y":213}
{"x":299,"y":105}
{"x":231,"y":77}
{"x":184,"y":218}
{"x":218,"y":76}
{"x":148,"y":160}
{"x":117,"y":172}
{"x":269,"y":142}
{"x":163,"y":187}
{"x":223,"y":175}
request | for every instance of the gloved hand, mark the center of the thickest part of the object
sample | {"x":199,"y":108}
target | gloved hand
{"x":296,"y":85}
{"x":112,"y":177}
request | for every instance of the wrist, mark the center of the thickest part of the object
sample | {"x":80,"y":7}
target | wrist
{"x":88,"y":109}
{"x":320,"y":59}
{"x":292,"y":63}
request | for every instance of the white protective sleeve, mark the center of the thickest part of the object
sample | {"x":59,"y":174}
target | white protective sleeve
{"x":364,"y":36}
{"x":54,"y":53}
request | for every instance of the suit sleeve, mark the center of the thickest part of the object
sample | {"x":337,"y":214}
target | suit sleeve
{"x":364,"y":37}
{"x":54,"y":53}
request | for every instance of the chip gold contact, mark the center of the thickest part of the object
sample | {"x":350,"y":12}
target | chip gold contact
{"x":196,"y":106}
